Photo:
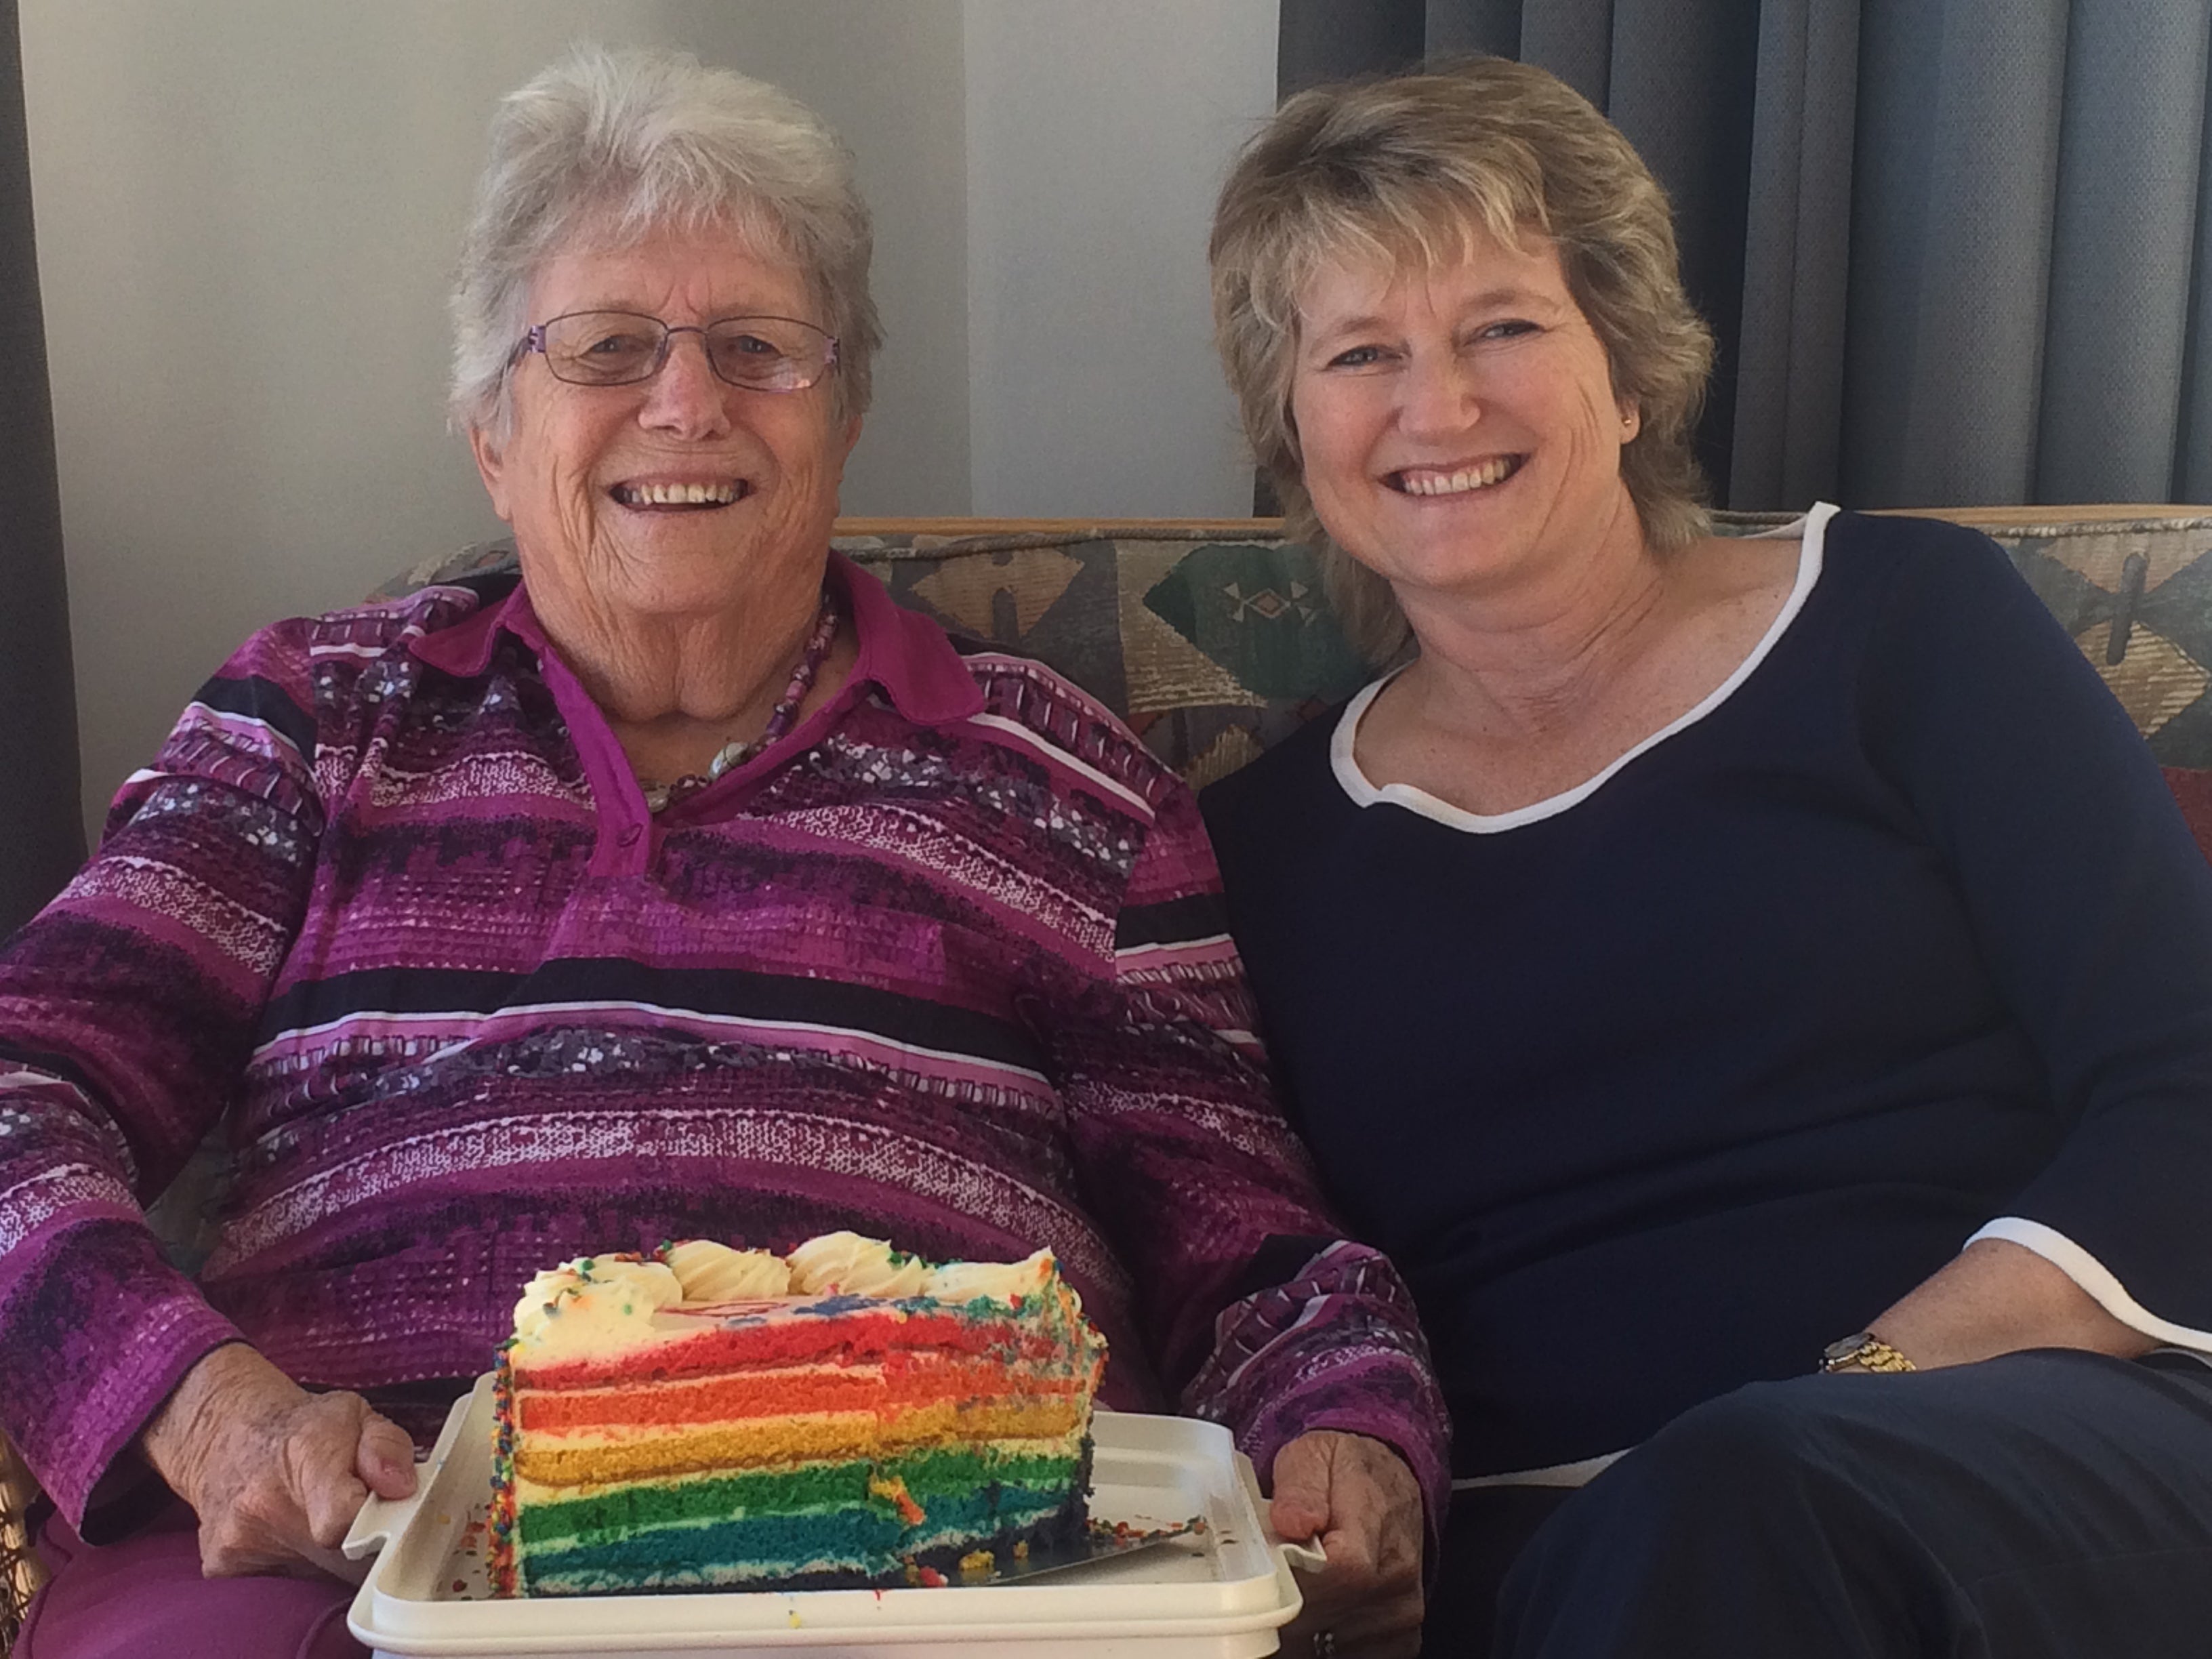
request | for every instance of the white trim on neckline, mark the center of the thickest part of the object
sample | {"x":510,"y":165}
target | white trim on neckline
{"x":1811,"y":529}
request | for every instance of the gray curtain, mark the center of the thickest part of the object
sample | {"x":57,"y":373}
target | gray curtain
{"x":1957,"y":251}
{"x":41,"y":839}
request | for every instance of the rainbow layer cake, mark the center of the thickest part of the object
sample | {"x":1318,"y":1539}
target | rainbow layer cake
{"x":711,"y":1419}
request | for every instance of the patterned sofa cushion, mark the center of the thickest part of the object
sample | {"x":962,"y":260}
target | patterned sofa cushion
{"x":1213,"y":643}
{"x":2136,"y":596}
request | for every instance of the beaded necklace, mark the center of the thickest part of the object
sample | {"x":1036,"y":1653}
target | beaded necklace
{"x":659,"y":797}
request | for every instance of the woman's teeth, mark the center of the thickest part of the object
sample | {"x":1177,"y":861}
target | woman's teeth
{"x":676,"y":495}
{"x":1431,"y":483}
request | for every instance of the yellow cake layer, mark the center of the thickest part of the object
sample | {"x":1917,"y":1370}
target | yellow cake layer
{"x":597,"y":1458}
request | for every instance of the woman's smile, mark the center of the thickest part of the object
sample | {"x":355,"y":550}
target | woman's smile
{"x":678,"y":494}
{"x":1459,"y":479}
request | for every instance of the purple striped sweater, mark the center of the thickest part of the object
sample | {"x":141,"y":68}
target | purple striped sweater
{"x":946,"y":965}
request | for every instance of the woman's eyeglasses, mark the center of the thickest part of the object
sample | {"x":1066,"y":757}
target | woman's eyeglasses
{"x":621,"y":348}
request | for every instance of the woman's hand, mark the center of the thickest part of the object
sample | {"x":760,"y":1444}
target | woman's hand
{"x":1363,"y":1500}
{"x":276,"y":1473}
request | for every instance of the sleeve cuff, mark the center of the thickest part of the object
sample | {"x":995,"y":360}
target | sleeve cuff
{"x":2094,"y":1277}
{"x":98,"y":1330}
{"x":121,"y":1405}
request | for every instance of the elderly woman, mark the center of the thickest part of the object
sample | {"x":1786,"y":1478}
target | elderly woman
{"x":685,"y":887}
{"x":1684,"y":965}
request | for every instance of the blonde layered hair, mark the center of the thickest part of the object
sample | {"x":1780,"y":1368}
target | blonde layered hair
{"x":1408,"y":170}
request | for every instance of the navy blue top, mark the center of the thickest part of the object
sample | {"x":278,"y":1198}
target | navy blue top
{"x":1661,"y":1092}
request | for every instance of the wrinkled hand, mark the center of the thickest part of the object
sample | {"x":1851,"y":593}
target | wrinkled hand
{"x":1364,"y":1501}
{"x":275,"y":1475}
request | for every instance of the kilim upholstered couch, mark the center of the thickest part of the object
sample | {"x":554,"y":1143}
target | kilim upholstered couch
{"x":1213,"y":640}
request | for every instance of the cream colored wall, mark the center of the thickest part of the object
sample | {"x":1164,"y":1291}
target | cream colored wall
{"x":247,"y":214}
{"x":1099,"y":132}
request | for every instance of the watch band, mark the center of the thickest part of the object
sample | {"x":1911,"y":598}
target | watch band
{"x":1866,"y":1351}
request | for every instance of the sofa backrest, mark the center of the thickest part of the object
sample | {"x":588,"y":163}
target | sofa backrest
{"x":1214,"y":640}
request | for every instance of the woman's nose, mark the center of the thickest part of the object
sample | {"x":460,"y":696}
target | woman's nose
{"x":686,"y":399}
{"x":1438,"y":394}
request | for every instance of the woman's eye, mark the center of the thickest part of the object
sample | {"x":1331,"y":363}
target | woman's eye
{"x":1360,"y":357}
{"x":616,"y":345}
{"x":1511,"y":328}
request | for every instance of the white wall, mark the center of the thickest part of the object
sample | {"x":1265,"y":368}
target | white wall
{"x":248,"y":212}
{"x":1098,"y":137}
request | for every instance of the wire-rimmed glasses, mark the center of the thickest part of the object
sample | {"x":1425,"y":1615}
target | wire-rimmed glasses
{"x":621,"y":348}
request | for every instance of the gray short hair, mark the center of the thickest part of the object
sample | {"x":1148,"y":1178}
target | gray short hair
{"x":616,"y":145}
{"x":1405,"y":169}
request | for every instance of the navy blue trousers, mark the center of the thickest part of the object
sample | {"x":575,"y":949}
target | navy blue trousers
{"x":2050,"y":1504}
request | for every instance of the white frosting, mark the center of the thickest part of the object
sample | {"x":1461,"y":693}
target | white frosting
{"x":847,"y":1264}
{"x":592,"y":1305}
{"x":715,"y":1273}
{"x":1001,"y":1281}
{"x":600,"y":1305}
{"x":539,"y":1295}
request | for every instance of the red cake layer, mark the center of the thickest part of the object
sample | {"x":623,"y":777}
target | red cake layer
{"x":860,"y":1338}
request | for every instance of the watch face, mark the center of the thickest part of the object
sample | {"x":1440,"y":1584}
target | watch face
{"x":1836,"y":1352}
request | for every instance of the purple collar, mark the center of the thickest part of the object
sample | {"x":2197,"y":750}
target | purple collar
{"x":904,"y":653}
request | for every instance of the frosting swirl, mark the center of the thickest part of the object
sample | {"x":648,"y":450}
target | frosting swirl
{"x":848,"y":1264}
{"x":594,"y":1303}
{"x":715,"y":1273}
{"x":1000,"y":1281}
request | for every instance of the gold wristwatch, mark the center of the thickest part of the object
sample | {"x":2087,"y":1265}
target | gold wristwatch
{"x":1864,"y":1350}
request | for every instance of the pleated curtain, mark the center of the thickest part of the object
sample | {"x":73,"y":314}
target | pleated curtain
{"x":41,"y":839}
{"x":1957,"y":251}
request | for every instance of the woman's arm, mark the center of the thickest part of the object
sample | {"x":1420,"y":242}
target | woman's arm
{"x":1997,"y":1297}
{"x":1308,"y":1347}
{"x":127,"y":1011}
{"x":2092,"y":908}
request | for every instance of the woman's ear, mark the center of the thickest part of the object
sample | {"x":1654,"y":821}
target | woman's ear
{"x":491,"y":467}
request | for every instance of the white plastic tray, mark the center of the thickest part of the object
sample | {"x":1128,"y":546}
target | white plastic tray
{"x":1221,"y":1596}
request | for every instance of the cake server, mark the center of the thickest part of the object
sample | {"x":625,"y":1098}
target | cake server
{"x":1102,"y":1544}
{"x":1098,"y":1544}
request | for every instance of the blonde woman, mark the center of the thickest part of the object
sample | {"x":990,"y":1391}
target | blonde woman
{"x":1704,"y":965}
